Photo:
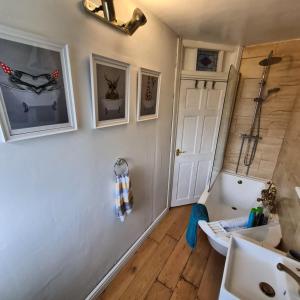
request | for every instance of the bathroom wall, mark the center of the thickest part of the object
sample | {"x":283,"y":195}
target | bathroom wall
{"x":276,"y":111}
{"x":287,"y":176}
{"x":58,"y":235}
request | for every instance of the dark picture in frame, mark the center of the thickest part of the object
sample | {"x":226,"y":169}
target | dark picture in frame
{"x":110,"y":84}
{"x":148,"y":94}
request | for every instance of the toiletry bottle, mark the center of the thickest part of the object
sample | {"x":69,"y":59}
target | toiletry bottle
{"x":251,"y":218}
{"x":259,"y":216}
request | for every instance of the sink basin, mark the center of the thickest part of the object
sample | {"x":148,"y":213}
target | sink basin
{"x":251,"y":268}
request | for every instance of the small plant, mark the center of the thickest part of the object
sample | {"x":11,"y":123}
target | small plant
{"x":112,"y":92}
{"x":268,"y":197}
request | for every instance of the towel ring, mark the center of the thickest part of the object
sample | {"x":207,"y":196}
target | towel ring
{"x":121,"y":167}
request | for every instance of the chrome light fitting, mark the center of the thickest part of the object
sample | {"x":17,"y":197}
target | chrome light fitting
{"x":106,"y":13}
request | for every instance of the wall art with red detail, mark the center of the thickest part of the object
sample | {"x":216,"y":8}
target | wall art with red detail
{"x":36,"y":94}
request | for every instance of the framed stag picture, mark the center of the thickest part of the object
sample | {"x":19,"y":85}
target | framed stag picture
{"x":148,"y":94}
{"x":110,"y":88}
{"x":36,"y":94}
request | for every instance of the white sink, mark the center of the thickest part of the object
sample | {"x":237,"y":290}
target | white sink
{"x":248,"y":264}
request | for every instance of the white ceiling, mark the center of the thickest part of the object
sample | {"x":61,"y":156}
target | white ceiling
{"x":236,"y":22}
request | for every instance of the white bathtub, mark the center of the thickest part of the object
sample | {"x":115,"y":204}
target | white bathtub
{"x":231,"y":197}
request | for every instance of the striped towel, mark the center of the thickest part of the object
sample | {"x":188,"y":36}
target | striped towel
{"x":123,"y":197}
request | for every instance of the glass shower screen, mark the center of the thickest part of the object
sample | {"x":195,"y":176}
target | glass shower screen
{"x":230,"y":96}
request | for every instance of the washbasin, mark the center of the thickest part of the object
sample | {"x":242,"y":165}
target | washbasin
{"x":251,"y":273}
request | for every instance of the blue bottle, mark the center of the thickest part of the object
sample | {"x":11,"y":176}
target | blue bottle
{"x":251,"y":218}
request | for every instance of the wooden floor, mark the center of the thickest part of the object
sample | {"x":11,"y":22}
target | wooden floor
{"x":164,"y":267}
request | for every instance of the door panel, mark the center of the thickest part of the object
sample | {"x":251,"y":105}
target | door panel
{"x":207,"y":137}
{"x":184,"y":180}
{"x":193,"y":99}
{"x":202,"y":171}
{"x":190,"y":125}
{"x":212,"y":100}
{"x":198,"y":117}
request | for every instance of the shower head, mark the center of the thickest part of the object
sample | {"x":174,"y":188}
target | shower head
{"x":271,"y":60}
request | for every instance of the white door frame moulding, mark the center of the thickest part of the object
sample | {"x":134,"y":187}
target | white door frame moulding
{"x":178,"y":70}
{"x":203,"y":75}
{"x":206,"y":45}
{"x":238,"y":57}
{"x":123,"y":260}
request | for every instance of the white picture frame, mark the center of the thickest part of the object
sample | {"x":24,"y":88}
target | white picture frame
{"x":110,"y":101}
{"x":148,"y":95}
{"x":51,"y":109}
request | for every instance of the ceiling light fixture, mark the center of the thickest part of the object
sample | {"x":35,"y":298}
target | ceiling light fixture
{"x":106,"y":13}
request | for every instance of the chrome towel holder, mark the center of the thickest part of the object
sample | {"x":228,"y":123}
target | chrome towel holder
{"x":121,"y":167}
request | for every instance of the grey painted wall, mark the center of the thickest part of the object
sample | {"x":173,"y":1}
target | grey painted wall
{"x":58,"y":234}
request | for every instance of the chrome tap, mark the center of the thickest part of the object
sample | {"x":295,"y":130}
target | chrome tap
{"x":282,"y":267}
{"x":268,"y":197}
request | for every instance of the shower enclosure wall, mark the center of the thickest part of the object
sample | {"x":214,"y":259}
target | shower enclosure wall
{"x":251,"y":140}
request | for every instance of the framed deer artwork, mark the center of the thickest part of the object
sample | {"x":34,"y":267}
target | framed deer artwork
{"x":110,"y":80}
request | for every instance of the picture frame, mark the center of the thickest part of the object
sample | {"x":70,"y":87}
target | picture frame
{"x":149,"y":82}
{"x":110,"y":81}
{"x":36,"y":90}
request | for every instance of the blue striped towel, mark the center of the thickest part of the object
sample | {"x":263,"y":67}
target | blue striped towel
{"x":123,"y":197}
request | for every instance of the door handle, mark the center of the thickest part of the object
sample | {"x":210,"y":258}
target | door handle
{"x":178,"y":152}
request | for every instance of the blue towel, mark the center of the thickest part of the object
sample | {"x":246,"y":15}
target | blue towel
{"x":199,"y":212}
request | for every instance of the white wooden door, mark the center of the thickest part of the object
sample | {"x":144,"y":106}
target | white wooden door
{"x":199,"y":115}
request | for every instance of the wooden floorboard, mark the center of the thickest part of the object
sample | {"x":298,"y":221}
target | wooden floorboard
{"x":184,"y":291}
{"x":164,"y":267}
{"x":197,"y":262}
{"x":147,"y":275}
{"x":212,"y":277}
{"x":172,"y":270}
{"x":179,"y":225}
{"x":121,"y":282}
{"x":160,"y":231}
{"x":158,"y":291}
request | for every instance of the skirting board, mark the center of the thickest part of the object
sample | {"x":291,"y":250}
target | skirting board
{"x":116,"y":268}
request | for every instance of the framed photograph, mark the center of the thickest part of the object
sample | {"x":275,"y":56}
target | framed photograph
{"x":36,"y":93}
{"x":110,"y":89}
{"x":148,"y":94}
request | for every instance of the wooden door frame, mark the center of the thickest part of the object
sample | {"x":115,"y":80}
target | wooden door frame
{"x":178,"y":77}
